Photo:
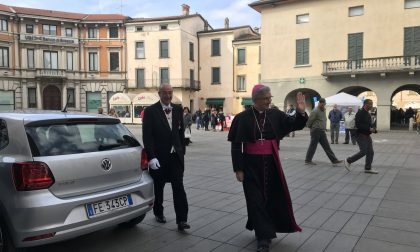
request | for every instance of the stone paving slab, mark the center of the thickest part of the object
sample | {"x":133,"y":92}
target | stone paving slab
{"x":338,"y":210}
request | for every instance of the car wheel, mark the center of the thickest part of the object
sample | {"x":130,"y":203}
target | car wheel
{"x":133,"y":222}
{"x":6,"y":243}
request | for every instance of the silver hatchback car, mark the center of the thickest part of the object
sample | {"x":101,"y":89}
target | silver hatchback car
{"x":66,"y":174}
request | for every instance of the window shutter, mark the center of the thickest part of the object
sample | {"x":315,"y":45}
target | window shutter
{"x":299,"y":52}
{"x":355,"y":46}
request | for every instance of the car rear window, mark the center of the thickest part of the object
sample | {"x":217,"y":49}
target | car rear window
{"x":73,"y":138}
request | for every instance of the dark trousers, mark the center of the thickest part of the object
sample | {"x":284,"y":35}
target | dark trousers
{"x":335,"y":131}
{"x":366,"y":149}
{"x":175,"y":175}
{"x":350,"y":133}
{"x":319,"y":136}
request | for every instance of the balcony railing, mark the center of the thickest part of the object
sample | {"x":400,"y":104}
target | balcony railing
{"x":51,"y":73}
{"x":193,"y":85}
{"x":372,"y":65}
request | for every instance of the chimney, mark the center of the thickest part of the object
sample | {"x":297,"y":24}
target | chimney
{"x":257,"y":29}
{"x":185,"y":9}
{"x":206,"y":25}
{"x":226,"y":23}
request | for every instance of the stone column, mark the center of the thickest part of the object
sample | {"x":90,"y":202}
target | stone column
{"x":77,"y":96}
{"x":24,"y":95}
{"x":38,"y":95}
{"x":64,"y":94}
{"x":383,"y":116}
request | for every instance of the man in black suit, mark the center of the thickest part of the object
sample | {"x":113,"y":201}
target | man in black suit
{"x":163,"y":138}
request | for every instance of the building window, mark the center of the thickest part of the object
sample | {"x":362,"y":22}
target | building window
{"x":49,"y":30}
{"x":7,"y":100}
{"x":114,"y":61}
{"x":304,"y":18}
{"x":93,"y":101}
{"x":4,"y":57}
{"x":215,"y":75}
{"x":164,"y":49}
{"x":71,"y":103}
{"x":412,"y":41}
{"x":240,"y":83}
{"x":29,"y":28}
{"x":215,"y":47}
{"x":50,"y":60}
{"x":30,"y":58}
{"x":356,"y":11}
{"x":139,"y":28}
{"x":140,"y":54}
{"x":408,"y":4}
{"x":164,"y":75}
{"x":3,"y":25}
{"x":355,"y":46}
{"x":92,"y":32}
{"x":140,"y":78}
{"x":93,"y":61}
{"x":69,"y":60}
{"x":192,"y":77}
{"x":302,"y":52}
{"x":32,"y":98}
{"x":69,"y":32}
{"x":241,"y":56}
{"x":113,"y":32}
{"x":164,"y":27}
{"x":191,"y":51}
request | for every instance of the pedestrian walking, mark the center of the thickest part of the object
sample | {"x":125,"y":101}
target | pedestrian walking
{"x":163,"y":138}
{"x":335,"y":117}
{"x":206,"y":119}
{"x":222,"y":120}
{"x":364,"y":130}
{"x":350,"y":124}
{"x":187,"y":126}
{"x":254,"y":137}
{"x":317,"y":124}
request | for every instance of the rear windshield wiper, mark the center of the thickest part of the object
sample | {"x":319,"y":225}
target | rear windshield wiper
{"x":110,"y":146}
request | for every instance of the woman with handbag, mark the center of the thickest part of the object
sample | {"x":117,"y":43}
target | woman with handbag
{"x":187,"y":125}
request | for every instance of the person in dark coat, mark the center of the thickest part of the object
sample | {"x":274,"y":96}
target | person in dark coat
{"x":364,"y":130}
{"x":254,"y":136}
{"x":163,"y":138}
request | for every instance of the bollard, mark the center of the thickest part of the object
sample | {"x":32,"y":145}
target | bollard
{"x":410,"y":124}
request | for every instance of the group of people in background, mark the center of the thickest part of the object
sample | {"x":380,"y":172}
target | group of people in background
{"x":209,"y":117}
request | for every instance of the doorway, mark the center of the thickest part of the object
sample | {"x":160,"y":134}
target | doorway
{"x":51,"y":98}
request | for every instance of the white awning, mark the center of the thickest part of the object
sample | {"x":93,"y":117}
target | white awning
{"x":120,"y":99}
{"x":145,"y":99}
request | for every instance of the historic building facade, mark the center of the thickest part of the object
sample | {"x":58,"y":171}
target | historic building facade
{"x":217,"y":63}
{"x":358,"y":46}
{"x":165,"y":50}
{"x":50,"y":58}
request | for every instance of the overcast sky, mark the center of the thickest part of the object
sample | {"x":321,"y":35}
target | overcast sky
{"x":215,"y":11}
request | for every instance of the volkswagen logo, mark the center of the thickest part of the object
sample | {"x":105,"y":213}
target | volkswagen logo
{"x":106,"y":164}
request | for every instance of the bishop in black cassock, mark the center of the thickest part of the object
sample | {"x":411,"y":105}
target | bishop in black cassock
{"x":255,"y":135}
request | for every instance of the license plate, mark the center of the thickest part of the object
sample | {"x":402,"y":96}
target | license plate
{"x":105,"y":206}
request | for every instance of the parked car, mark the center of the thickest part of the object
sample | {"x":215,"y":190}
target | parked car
{"x":64,"y":174}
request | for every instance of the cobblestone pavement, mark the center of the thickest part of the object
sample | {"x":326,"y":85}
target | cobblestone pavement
{"x":338,"y":210}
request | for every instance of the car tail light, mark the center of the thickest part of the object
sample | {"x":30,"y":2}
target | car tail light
{"x":32,"y":176}
{"x":144,"y":163}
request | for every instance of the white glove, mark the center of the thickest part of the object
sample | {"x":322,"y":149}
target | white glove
{"x":154,"y":164}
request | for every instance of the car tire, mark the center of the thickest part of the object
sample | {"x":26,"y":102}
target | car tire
{"x":6,"y":243}
{"x":133,"y":222}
